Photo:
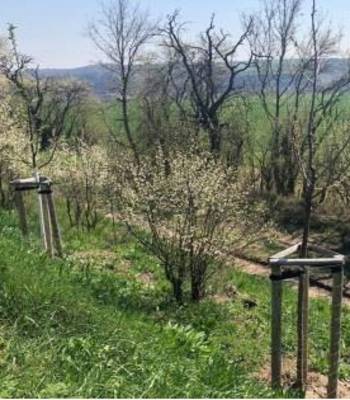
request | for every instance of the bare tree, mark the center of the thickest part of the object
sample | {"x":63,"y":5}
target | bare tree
{"x":120,"y":35}
{"x":280,"y":85}
{"x":47,"y":103}
{"x":288,"y":86}
{"x":322,"y":118}
{"x":196,"y":69}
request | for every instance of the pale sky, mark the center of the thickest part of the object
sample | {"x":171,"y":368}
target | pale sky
{"x":54,"y":31}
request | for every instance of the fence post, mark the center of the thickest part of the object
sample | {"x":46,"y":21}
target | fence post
{"x":21,"y":211}
{"x":334,"y":351}
{"x":302,"y":328}
{"x":54,"y":223}
{"x":276,"y":327}
{"x":43,"y":192}
{"x":44,"y":214}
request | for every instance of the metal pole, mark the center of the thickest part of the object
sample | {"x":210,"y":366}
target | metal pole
{"x":276,"y":327}
{"x":54,"y":223}
{"x":41,"y":212}
{"x":302,"y":327}
{"x":21,"y":212}
{"x":47,"y":223}
{"x":334,"y":351}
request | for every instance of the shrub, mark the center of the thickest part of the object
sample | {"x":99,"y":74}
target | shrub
{"x":195,"y":209}
{"x":82,"y":171}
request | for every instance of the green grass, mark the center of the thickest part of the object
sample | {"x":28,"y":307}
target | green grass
{"x":87,"y":326}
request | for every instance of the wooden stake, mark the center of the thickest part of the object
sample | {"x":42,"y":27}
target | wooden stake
{"x":42,"y":219}
{"x":21,"y":212}
{"x":44,"y":214}
{"x":47,"y":225}
{"x":334,"y":353}
{"x":276,"y":327}
{"x":54,"y":224}
{"x":302,"y":327}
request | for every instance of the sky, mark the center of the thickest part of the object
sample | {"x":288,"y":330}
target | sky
{"x":53,"y":32}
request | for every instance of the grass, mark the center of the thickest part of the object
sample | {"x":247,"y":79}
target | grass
{"x":87,"y":326}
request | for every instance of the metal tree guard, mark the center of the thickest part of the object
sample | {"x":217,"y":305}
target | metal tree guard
{"x":330,"y":262}
{"x":50,"y":232}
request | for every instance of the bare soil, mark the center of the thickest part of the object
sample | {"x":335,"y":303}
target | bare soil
{"x":317,"y":383}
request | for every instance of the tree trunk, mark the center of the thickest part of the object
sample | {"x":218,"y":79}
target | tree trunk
{"x":308,"y":193}
{"x":215,"y":141}
{"x":127,"y":129}
{"x":198,"y":283}
{"x":177,"y":288}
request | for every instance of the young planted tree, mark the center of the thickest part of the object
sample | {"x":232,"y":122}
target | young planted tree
{"x":320,"y":163}
{"x":321,"y":110}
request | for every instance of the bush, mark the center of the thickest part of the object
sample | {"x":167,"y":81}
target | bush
{"x":195,"y":209}
{"x":82,"y":172}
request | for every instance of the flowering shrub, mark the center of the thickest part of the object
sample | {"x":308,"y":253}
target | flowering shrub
{"x":81,"y":173}
{"x":13,"y":149}
{"x":195,"y":210}
{"x":13,"y":146}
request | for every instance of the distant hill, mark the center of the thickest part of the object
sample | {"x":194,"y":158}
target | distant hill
{"x":98,"y":77}
{"x":101,"y":79}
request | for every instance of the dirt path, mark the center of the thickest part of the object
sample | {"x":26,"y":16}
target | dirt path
{"x":257,"y":269}
{"x":254,"y":268}
{"x":318,"y":289}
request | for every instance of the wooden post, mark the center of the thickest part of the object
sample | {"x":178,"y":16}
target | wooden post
{"x":54,"y":224}
{"x":302,"y":328}
{"x":21,"y":211}
{"x":276,"y":327}
{"x":44,"y":214}
{"x":42,"y":219}
{"x":47,"y":222}
{"x":334,"y":353}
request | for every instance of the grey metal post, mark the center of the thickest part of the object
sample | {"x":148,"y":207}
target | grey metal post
{"x":47,"y":222}
{"x":54,"y":223}
{"x":334,"y":351}
{"x":41,"y":212}
{"x":21,"y":211}
{"x":302,"y":327}
{"x":276,"y":327}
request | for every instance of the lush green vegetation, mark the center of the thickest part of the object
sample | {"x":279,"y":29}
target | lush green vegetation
{"x":91,"y":326}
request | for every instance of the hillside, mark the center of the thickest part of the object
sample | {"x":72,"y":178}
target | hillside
{"x":102,"y":81}
{"x":99,"y":324}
